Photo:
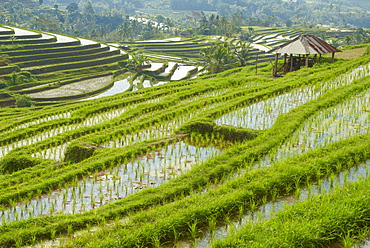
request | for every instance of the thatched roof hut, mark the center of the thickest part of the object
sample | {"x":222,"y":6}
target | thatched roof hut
{"x":302,"y":45}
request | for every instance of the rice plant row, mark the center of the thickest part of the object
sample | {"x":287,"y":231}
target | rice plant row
{"x":338,"y":217}
{"x":185,"y":217}
{"x":263,"y":114}
{"x":313,"y":107}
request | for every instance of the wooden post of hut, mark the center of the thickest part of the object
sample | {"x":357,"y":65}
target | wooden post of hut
{"x":274,"y":71}
{"x":306,"y":60}
{"x":285,"y":65}
{"x":332,"y":57}
{"x":291,"y":62}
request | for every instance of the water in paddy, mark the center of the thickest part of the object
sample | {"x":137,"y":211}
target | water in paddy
{"x":336,"y":123}
{"x":344,"y":120}
{"x":269,"y":209}
{"x":168,"y":69}
{"x":149,"y":170}
{"x":181,"y":72}
{"x":262,"y":115}
{"x":154,"y":66}
{"x":118,"y":87}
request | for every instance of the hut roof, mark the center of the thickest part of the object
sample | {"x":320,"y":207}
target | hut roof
{"x":305,"y":44}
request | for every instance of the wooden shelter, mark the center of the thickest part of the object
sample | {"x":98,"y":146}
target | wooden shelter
{"x":298,"y":51}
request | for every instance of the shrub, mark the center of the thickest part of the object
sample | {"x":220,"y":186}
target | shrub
{"x":23,"y":101}
{"x":367,"y":52}
{"x":14,"y":162}
{"x":2,"y":84}
{"x":77,"y":152}
{"x":230,"y":133}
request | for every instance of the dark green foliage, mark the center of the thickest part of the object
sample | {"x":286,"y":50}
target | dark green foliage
{"x":201,"y":126}
{"x":78,"y":152}
{"x":225,"y":132}
{"x":235,"y":134}
{"x":23,"y":101}
{"x":3,"y":84}
{"x":18,"y":78}
{"x":17,"y":161}
{"x":367,"y":52}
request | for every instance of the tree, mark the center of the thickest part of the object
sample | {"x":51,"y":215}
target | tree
{"x":247,"y":35}
{"x":124,"y":30}
{"x":23,"y":101}
{"x":4,"y":59}
{"x":218,"y":57}
{"x":72,"y":7}
{"x":160,"y":19}
{"x":136,"y":62}
{"x":88,"y":9}
{"x":289,"y":23}
{"x":242,"y":52}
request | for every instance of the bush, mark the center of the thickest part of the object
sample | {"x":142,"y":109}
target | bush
{"x":77,"y":152}
{"x":367,"y":52}
{"x":230,"y":133}
{"x":23,"y":101}
{"x":2,"y":85}
{"x":14,"y":162}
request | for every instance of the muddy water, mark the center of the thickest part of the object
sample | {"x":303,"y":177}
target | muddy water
{"x":77,"y":88}
{"x":147,"y":171}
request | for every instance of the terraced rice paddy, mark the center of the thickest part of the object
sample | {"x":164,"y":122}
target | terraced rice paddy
{"x":223,"y":161}
{"x":268,"y":210}
{"x":263,"y":114}
{"x":147,"y":171}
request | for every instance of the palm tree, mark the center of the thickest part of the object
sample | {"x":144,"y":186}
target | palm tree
{"x":218,"y":57}
{"x":4,"y":59}
{"x":136,"y":62}
{"x":242,"y":52}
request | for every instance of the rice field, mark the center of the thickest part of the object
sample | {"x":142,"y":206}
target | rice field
{"x":237,"y":159}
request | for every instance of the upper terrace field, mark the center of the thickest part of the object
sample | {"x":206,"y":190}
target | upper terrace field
{"x":39,"y":61}
{"x":52,"y":68}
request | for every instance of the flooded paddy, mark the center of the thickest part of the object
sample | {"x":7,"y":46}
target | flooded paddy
{"x":54,"y":152}
{"x":149,"y":170}
{"x":262,"y":115}
{"x":118,"y":87}
{"x":41,"y":120}
{"x":336,"y":123}
{"x":182,"y":71}
{"x":269,"y":209}
{"x":81,"y":87}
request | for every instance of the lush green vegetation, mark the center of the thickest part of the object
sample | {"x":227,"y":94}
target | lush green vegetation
{"x":168,"y":165}
{"x":137,"y":19}
{"x":72,"y":151}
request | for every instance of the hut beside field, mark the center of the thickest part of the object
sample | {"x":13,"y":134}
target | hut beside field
{"x":297,"y":51}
